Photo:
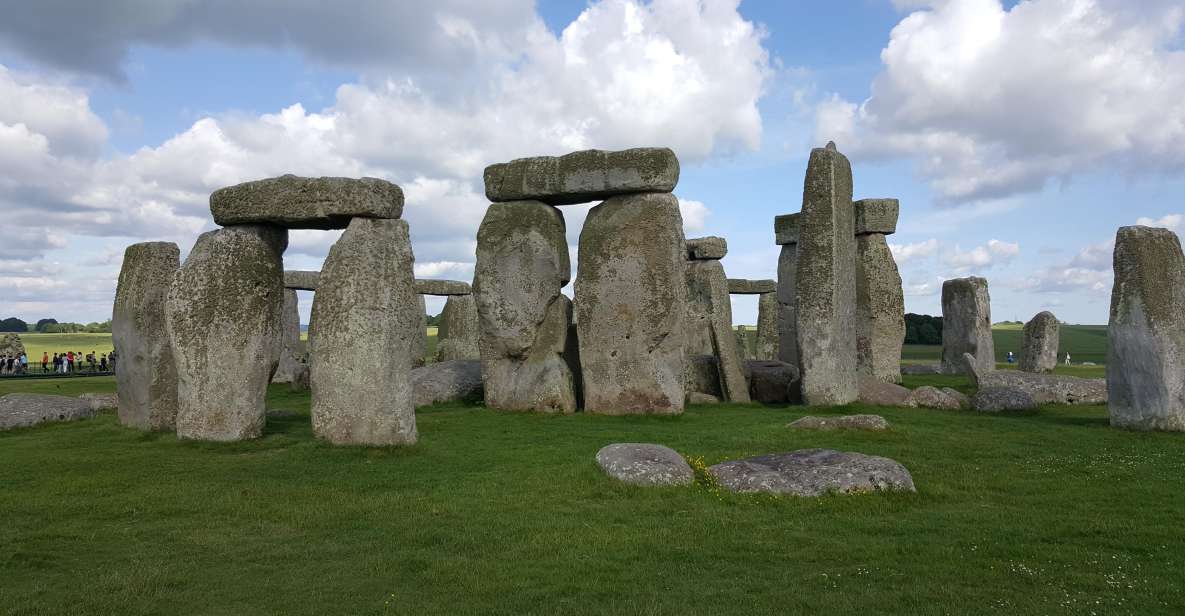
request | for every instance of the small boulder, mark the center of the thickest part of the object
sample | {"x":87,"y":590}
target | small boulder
{"x":843,"y":422}
{"x":813,"y":472}
{"x":23,"y":410}
{"x":644,"y":464}
{"x":933,"y":398}
{"x":696,"y":397}
{"x":458,"y":380}
{"x":964,"y":400}
{"x":996,"y":399}
{"x":99,"y":401}
{"x":880,"y":393}
{"x":772,"y":382}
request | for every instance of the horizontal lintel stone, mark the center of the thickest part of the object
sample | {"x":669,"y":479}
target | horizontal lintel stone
{"x":876,"y":216}
{"x":581,"y":177}
{"x":786,"y":229}
{"x":741,"y":286}
{"x":301,"y":280}
{"x":443,"y":287}
{"x":306,"y":203}
{"x":706,"y":248}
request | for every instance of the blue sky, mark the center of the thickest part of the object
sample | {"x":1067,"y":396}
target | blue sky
{"x":1018,"y":136}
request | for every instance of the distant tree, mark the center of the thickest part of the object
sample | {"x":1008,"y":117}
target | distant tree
{"x":42,"y":323}
{"x":923,"y":329}
{"x":13,"y":324}
{"x":434,"y":321}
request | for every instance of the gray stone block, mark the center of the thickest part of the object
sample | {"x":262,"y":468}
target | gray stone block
{"x":813,"y":472}
{"x":709,"y":326}
{"x":880,"y":310}
{"x":301,"y":280}
{"x":876,"y":216}
{"x":967,"y":325}
{"x":741,"y":286}
{"x":443,"y":287}
{"x":786,"y":229}
{"x":146,"y":374}
{"x":1038,"y":351}
{"x":581,"y":177}
{"x":458,"y":336}
{"x":306,"y":203}
{"x":706,"y":248}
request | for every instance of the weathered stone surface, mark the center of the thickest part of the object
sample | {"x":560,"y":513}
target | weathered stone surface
{"x":702,"y":375}
{"x":843,"y":422}
{"x":825,"y":291}
{"x":306,"y":203}
{"x":813,"y":472}
{"x":880,"y":393}
{"x":366,"y":315}
{"x":967,"y":325}
{"x":223,"y":318}
{"x":145,"y":375}
{"x":100,"y":401}
{"x":522,"y":262}
{"x":921,"y":369}
{"x":741,"y":286}
{"x":1044,"y":388}
{"x":996,"y":398}
{"x":695,"y":397}
{"x":708,"y":326}
{"x":1146,"y":332}
{"x":786,"y":229}
{"x":876,"y":216}
{"x":644,"y":464}
{"x":443,"y":287}
{"x":772,"y":382}
{"x":767,"y":326}
{"x":632,"y":295}
{"x":301,"y":280}
{"x":300,"y":382}
{"x":1039,"y":350}
{"x":458,"y":336}
{"x":933,"y":398}
{"x":11,"y":345}
{"x":706,"y":248}
{"x":787,"y":320}
{"x":419,"y":343}
{"x":964,"y":400}
{"x":293,"y":354}
{"x":580,"y":177}
{"x":880,"y":310}
{"x":23,"y":410}
{"x":457,"y":380}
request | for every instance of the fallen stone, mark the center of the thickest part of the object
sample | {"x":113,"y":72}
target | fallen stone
{"x":786,"y":229}
{"x":522,"y":262}
{"x":581,"y":177}
{"x":706,"y":248}
{"x":306,"y":203}
{"x":964,"y":400}
{"x":876,"y":216}
{"x":880,"y":393}
{"x":933,"y":398}
{"x":366,"y":316}
{"x":825,"y":288}
{"x":1039,"y":349}
{"x":223,"y":318}
{"x":644,"y":464}
{"x":457,"y":337}
{"x":443,"y":287}
{"x":457,"y":380}
{"x":995,"y":399}
{"x":813,"y":472}
{"x":843,"y":422}
{"x":293,"y":354}
{"x":709,"y":326}
{"x":1146,"y":332}
{"x":767,"y":326}
{"x":632,"y":296}
{"x":696,"y":397}
{"x":772,"y":382}
{"x":880,"y":310}
{"x":301,"y":280}
{"x":146,"y":374}
{"x":100,"y":401}
{"x":1044,"y":388}
{"x":24,"y":410}
{"x":967,"y":325}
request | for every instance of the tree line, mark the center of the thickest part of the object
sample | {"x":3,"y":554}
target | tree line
{"x":52,"y":326}
{"x":923,"y":329}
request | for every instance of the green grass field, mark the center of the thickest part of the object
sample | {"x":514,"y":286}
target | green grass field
{"x":1049,"y":512}
{"x":1085,"y":343}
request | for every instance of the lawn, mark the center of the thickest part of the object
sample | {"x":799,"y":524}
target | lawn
{"x":1084,"y":343}
{"x":1036,"y":513}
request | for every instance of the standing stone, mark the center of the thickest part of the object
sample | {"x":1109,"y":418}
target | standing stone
{"x":223,"y":318}
{"x":580,"y":177}
{"x":709,"y":326}
{"x":786,"y":232}
{"x":967,"y":325}
{"x":522,"y":263}
{"x":880,"y":301}
{"x":1038,"y":353}
{"x":365,"y":317}
{"x":457,"y":336}
{"x":292,"y":348}
{"x":145,"y":375}
{"x":419,"y":343}
{"x":825,"y":291}
{"x":767,"y":326}
{"x":632,"y":296}
{"x":11,"y":345}
{"x":1146,"y":354}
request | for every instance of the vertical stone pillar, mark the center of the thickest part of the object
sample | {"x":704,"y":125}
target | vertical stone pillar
{"x":457,"y":336}
{"x":632,"y":294}
{"x":522,"y":263}
{"x":367,"y":318}
{"x":786,"y":234}
{"x":292,"y":350}
{"x":880,"y":301}
{"x":146,"y":374}
{"x":419,"y":343}
{"x":223,"y":317}
{"x":1146,"y":354}
{"x":1038,"y":352}
{"x":708,"y":326}
{"x":825,"y":288}
{"x":767,"y":326}
{"x":967,"y":325}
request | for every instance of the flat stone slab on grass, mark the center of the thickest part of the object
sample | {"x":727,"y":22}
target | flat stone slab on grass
{"x":1044,"y":388}
{"x":443,"y":287}
{"x":645,"y":464}
{"x":306,"y":203}
{"x":996,"y":399}
{"x":813,"y":472}
{"x":741,"y":286}
{"x":843,"y":422}
{"x":23,"y":410}
{"x":301,"y":280}
{"x":581,"y":177}
{"x":880,"y":393}
{"x":458,"y":380}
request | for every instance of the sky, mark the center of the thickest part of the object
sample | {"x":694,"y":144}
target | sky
{"x":1018,"y":136}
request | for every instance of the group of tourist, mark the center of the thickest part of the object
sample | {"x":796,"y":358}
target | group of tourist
{"x":14,"y":364}
{"x":60,"y":363}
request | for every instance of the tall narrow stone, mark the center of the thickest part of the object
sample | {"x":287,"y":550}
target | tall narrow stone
{"x":145,"y":375}
{"x":767,"y":326}
{"x":825,"y":291}
{"x":522,"y":263}
{"x":632,"y":295}
{"x":1146,"y":354}
{"x":292,"y":348}
{"x":967,"y":325}
{"x":366,"y":317}
{"x":457,"y":336}
{"x":880,"y":301}
{"x":786,"y":234}
{"x":223,"y":317}
{"x":1038,"y":352}
{"x":709,"y":326}
{"x":419,"y":342}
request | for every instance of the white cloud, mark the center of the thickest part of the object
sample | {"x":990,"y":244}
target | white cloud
{"x":994,"y":252}
{"x":1089,"y":270}
{"x":1168,"y":221}
{"x":904,"y":253}
{"x":992,"y":102}
{"x":695,"y":216}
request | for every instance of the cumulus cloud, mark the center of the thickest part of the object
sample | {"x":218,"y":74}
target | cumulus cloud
{"x":992,"y":102}
{"x":994,"y":252}
{"x":904,"y":253}
{"x":1089,"y":270}
{"x":1168,"y":221}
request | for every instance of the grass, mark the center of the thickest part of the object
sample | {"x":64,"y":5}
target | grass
{"x":1044,"y":512}
{"x":1085,"y":343}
